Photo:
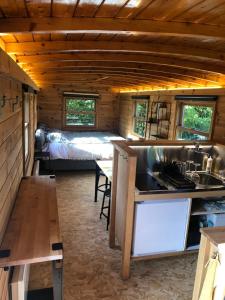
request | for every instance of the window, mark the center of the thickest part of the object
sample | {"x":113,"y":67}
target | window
{"x":140,"y":117}
{"x":80,"y":111}
{"x":195,"y":121}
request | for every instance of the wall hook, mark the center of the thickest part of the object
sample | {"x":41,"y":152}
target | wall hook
{"x":2,"y":101}
{"x":15,"y":103}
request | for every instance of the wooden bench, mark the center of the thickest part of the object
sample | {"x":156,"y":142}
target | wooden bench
{"x":32,"y":234}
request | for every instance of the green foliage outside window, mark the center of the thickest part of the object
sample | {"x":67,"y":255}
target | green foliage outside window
{"x":80,"y":112}
{"x":197,"y":117}
{"x":140,"y":118}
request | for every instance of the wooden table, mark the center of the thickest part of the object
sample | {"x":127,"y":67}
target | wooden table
{"x":32,"y":234}
{"x":106,"y":167}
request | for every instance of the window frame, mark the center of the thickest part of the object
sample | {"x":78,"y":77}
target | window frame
{"x":180,"y":128}
{"x":84,"y":98}
{"x":135,"y":118}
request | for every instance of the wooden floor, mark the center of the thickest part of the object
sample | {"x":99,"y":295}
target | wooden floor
{"x":92,"y":269}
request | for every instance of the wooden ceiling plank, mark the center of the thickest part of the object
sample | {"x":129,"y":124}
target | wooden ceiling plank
{"x":69,"y":46}
{"x":216,"y":17}
{"x":62,"y":8}
{"x":13,"y":8}
{"x":139,"y":75}
{"x":135,"y":67}
{"x":129,"y":11}
{"x":9,"y":38}
{"x":133,"y":58}
{"x":137,"y":79}
{"x":97,"y":8}
{"x":43,"y":37}
{"x":21,"y":38}
{"x":158,"y":10}
{"x":101,"y":25}
{"x":195,"y":13}
{"x":87,"y":8}
{"x":39,"y":9}
{"x":110,"y":8}
{"x":211,"y":16}
{"x":182,"y":7}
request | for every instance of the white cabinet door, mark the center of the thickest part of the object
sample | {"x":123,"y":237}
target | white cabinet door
{"x":160,"y":226}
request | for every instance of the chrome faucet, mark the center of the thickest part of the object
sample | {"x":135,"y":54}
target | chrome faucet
{"x":198,"y":149}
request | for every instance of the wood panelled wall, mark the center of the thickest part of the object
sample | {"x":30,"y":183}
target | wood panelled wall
{"x":11,"y":155}
{"x":50,"y":103}
{"x":126,"y":109}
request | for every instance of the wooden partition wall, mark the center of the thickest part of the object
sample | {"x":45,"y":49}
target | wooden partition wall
{"x":11,"y":150}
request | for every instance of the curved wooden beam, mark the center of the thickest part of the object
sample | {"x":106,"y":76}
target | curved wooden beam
{"x":209,"y":67}
{"x":135,"y":72}
{"x":147,"y":79}
{"x":134,"y":67}
{"x":109,"y":25}
{"x":99,"y":46}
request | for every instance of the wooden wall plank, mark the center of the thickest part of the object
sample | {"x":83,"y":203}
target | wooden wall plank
{"x":11,"y":150}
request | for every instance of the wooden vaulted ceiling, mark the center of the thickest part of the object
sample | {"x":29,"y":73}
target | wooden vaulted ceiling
{"x":120,"y":44}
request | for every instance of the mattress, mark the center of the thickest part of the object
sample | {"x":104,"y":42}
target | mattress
{"x":80,"y":145}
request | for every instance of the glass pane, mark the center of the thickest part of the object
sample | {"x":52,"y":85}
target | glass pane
{"x":80,"y":105}
{"x":80,"y":119}
{"x":197,"y":117}
{"x":185,"y":135}
{"x":141,"y":110}
{"x":139,"y":127}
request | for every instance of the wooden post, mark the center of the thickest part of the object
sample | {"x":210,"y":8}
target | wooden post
{"x":113,"y":201}
{"x":129,"y":218}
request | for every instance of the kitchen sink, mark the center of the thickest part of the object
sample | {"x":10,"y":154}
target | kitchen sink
{"x":208,"y":181}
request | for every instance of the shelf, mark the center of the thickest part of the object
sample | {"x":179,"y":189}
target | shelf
{"x":159,"y":136}
{"x":203,"y":207}
{"x":194,"y":247}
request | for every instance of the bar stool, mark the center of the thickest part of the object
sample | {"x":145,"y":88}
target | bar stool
{"x":107,"y":194}
{"x":102,"y":187}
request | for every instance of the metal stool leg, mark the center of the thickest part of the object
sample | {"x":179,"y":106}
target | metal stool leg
{"x":108,"y":219}
{"x":103,"y":206}
{"x":97,"y":175}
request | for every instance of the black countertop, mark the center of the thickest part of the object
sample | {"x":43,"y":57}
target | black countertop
{"x":157,"y":184}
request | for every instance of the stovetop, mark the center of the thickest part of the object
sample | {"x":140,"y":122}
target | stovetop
{"x":146,"y":182}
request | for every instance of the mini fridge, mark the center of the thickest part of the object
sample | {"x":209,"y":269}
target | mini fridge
{"x":160,"y":226}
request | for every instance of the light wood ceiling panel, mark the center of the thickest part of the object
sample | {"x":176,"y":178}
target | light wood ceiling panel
{"x":195,"y":13}
{"x":70,"y":46}
{"x":87,"y":8}
{"x":110,"y":8}
{"x":201,"y":76}
{"x":13,"y":8}
{"x":215,"y":69}
{"x":42,"y":37}
{"x":22,"y":38}
{"x":133,"y":8}
{"x":39,"y":8}
{"x":62,"y":8}
{"x":117,"y":42}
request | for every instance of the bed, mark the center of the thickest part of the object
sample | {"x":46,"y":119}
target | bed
{"x":75,"y":150}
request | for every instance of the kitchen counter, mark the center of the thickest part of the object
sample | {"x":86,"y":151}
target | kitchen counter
{"x":155,"y":184}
